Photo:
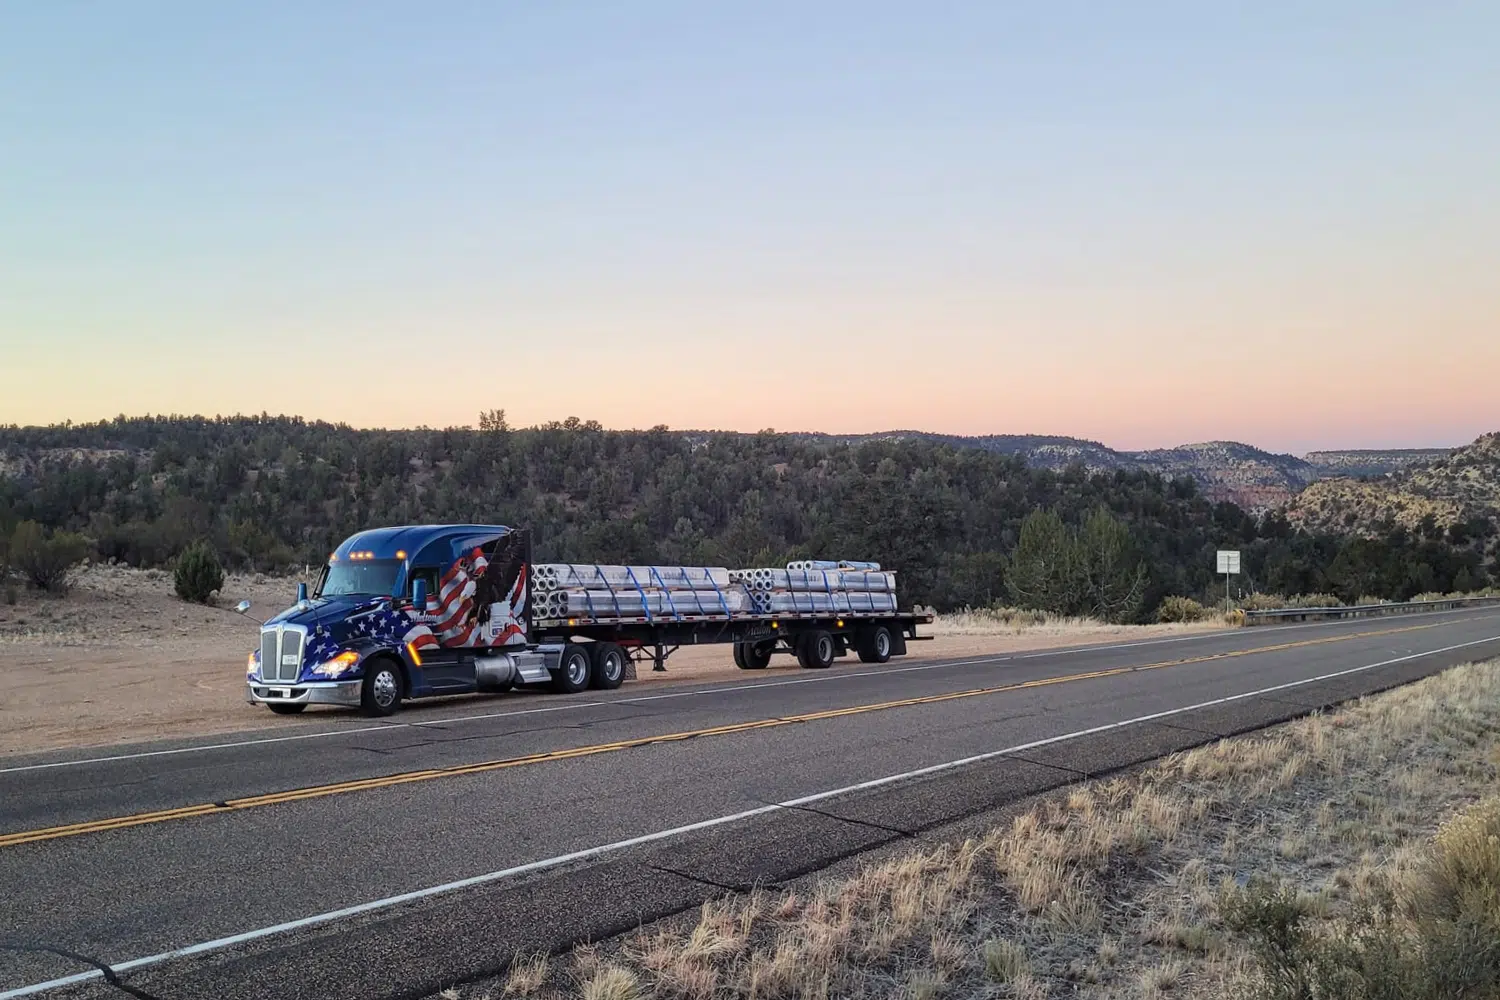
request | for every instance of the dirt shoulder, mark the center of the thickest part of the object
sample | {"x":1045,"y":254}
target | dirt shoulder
{"x":1155,"y":884}
{"x":120,"y":659}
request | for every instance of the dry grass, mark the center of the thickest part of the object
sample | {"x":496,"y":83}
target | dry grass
{"x":1016,"y":621}
{"x":1113,"y":888}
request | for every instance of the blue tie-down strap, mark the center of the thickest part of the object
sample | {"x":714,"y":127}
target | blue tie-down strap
{"x":645,"y":604}
{"x":719,"y":593}
{"x":693,"y":589}
{"x":791,"y":588}
{"x":666,"y":592}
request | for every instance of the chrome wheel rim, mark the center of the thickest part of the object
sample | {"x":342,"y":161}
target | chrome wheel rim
{"x":385,"y":689}
{"x":882,"y":644}
{"x":614,"y":665}
{"x":578,"y":670}
{"x":825,"y":649}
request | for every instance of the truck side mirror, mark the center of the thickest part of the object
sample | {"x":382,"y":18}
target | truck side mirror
{"x":419,"y":595}
{"x":301,"y":592}
{"x":242,"y":607}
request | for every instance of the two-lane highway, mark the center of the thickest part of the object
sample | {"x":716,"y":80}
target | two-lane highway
{"x":258,"y":852}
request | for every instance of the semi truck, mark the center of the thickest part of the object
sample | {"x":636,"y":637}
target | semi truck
{"x":419,"y":611}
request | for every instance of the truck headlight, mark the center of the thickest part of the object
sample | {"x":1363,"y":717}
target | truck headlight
{"x":252,"y":664}
{"x":342,"y":663}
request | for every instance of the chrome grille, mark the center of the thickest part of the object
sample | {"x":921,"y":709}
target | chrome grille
{"x":270,"y":649}
{"x":281,"y":653}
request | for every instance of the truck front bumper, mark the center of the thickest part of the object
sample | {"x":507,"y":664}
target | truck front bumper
{"x":306,"y":693}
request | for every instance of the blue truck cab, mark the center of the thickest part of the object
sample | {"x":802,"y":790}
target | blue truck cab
{"x":407,"y":612}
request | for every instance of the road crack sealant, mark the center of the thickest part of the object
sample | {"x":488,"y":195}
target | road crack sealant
{"x":108,"y":973}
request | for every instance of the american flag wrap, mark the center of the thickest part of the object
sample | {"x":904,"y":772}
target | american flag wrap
{"x":451,"y":620}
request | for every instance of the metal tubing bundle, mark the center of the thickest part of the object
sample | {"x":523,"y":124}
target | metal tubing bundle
{"x":633,"y":604}
{"x":831,"y":564}
{"x":817,"y":586}
{"x":815,"y":581}
{"x":806,"y":603}
{"x":564,"y":576}
{"x":584,"y":590}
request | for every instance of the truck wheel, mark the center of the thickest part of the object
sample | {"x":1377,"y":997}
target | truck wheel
{"x":758,"y":655}
{"x":873,"y":644}
{"x":815,"y":650}
{"x":285,"y":709}
{"x":380,"y":694}
{"x":573,"y":670}
{"x":739,"y":656}
{"x":607,"y":671}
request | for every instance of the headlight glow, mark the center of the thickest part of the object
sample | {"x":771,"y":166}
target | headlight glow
{"x":342,"y":663}
{"x":252,"y":663}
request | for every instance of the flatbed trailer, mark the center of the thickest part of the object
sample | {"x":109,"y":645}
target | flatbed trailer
{"x":428,"y":610}
{"x":755,"y":637}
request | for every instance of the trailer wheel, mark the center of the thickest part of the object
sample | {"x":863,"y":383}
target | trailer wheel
{"x":285,"y":709}
{"x":873,"y":644}
{"x":815,"y":649}
{"x":607,"y":671}
{"x":573,"y":670}
{"x":380,"y":694}
{"x":752,"y":655}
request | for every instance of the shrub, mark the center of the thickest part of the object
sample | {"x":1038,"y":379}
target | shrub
{"x":198,"y":575}
{"x":1434,"y":936}
{"x":44,"y":560}
{"x":1461,"y":881}
{"x":1262,"y":602}
{"x":1314,"y":601}
{"x":1180,"y":609}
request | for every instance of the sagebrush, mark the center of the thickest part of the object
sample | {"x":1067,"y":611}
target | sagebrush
{"x":198,"y":574}
{"x":43,"y":558}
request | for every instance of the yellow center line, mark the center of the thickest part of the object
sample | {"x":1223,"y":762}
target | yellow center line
{"x":408,"y":777}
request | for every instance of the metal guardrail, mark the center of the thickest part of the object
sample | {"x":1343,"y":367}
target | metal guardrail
{"x":1365,"y":610}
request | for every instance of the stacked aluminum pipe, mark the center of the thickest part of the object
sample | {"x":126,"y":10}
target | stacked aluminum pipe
{"x":815,"y":586}
{"x":831,"y":564}
{"x":585,"y":590}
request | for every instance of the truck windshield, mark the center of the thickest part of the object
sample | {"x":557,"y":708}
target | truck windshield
{"x":375,"y":576}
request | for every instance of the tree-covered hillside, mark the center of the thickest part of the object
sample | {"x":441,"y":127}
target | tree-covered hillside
{"x":274,"y":491}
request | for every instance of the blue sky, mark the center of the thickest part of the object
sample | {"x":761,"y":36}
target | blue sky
{"x":1146,"y":224}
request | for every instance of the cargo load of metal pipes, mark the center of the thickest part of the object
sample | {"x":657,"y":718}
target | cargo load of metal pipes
{"x":808,"y":603}
{"x":565,"y":576}
{"x":601,"y":604}
{"x":817,"y":581}
{"x":831,"y":564}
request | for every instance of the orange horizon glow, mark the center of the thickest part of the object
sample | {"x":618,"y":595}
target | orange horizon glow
{"x":1137,"y":227}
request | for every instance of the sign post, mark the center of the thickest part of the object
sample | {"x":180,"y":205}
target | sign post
{"x":1229,"y":565}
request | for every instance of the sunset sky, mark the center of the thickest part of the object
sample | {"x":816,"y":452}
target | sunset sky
{"x":1146,"y":224}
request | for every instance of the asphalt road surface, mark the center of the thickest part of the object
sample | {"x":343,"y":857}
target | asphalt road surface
{"x":391,"y":858}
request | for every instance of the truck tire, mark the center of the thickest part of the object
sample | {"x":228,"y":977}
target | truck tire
{"x":607,"y":666}
{"x":815,"y":649}
{"x":752,"y":655}
{"x":873,"y":644}
{"x":380,"y":694}
{"x":573,"y":670}
{"x":285,"y":709}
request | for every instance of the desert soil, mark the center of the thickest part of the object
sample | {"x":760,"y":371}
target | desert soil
{"x":121,"y":659}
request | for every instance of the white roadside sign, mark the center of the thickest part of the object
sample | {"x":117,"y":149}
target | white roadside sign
{"x":1229,"y":561}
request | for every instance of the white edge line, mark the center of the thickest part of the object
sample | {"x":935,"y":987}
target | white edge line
{"x":637,"y":699}
{"x":587,"y":853}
